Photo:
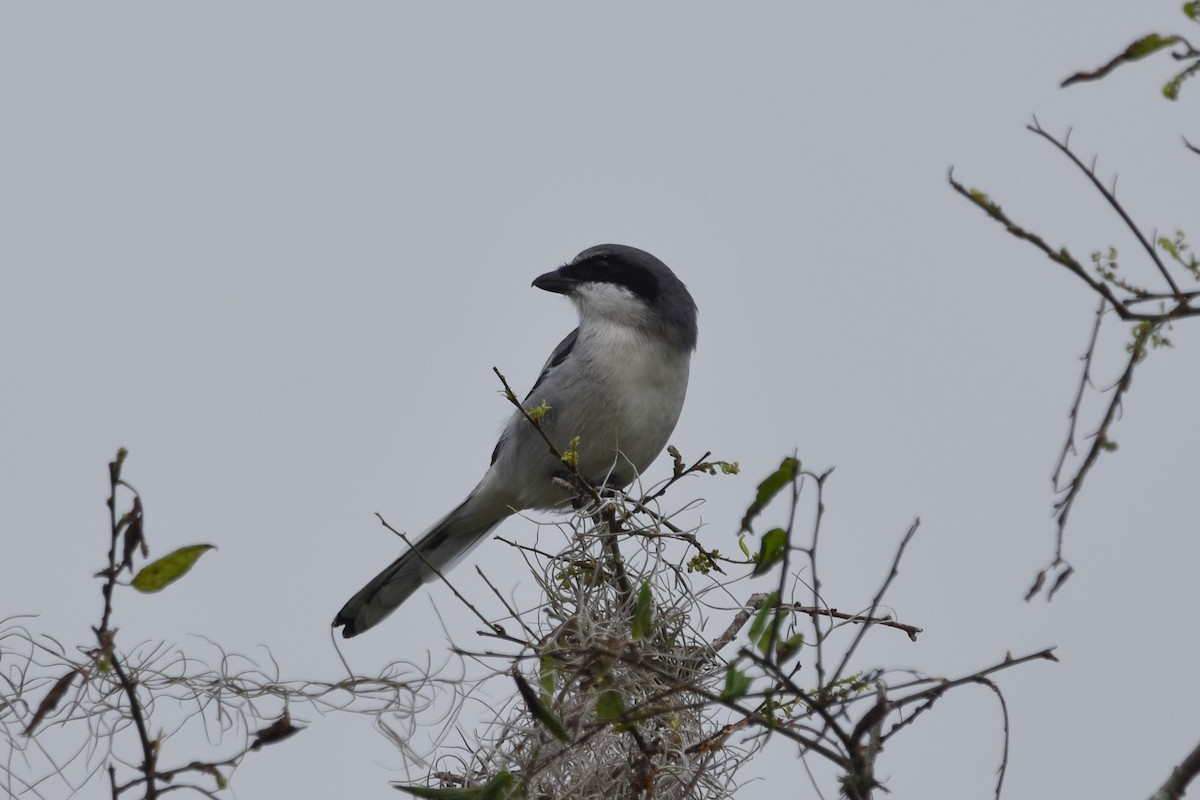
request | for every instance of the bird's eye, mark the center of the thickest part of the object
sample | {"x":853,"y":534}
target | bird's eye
{"x":599,"y":269}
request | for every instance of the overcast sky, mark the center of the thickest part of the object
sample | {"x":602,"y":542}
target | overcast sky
{"x":275,"y":250}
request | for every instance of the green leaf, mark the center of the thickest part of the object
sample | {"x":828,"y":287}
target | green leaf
{"x":1192,"y":9}
{"x":570,"y":456}
{"x":677,"y":466}
{"x":764,"y":641}
{"x":114,"y":466}
{"x":737,"y":683}
{"x":610,"y":706}
{"x":768,"y":710}
{"x":547,"y":675}
{"x":643,"y":612}
{"x":1150,"y":43}
{"x":726,"y":467}
{"x":537,"y":412}
{"x":498,"y":788}
{"x":703,"y":562}
{"x":768,"y":619}
{"x":742,"y":545}
{"x":1171,"y":90}
{"x":789,"y":647}
{"x":159,"y":574}
{"x":540,"y":711}
{"x":771,"y":550}
{"x":759,"y":623}
{"x":771,"y":486}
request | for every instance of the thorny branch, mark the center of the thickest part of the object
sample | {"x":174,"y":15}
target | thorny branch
{"x":1118,"y":296}
{"x":131,"y":524}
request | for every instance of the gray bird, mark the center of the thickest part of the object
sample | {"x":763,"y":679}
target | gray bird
{"x":617,"y":382}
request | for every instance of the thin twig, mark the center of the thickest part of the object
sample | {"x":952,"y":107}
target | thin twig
{"x":875,"y":603}
{"x":1112,"y":201}
{"x":859,"y":619}
{"x":1085,"y":380}
{"x":494,"y":627}
{"x":817,"y":602}
{"x":1100,"y":440}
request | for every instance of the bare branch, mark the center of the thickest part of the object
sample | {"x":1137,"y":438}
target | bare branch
{"x":878,"y":599}
{"x":1111,"y":197}
{"x":1085,"y":380}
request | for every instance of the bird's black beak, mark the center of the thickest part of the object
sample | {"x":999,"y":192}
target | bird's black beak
{"x":554,"y":282}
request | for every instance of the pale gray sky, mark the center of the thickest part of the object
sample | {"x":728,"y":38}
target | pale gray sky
{"x":275,"y":250}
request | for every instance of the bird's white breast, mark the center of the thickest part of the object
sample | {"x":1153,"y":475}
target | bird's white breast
{"x":637,"y":386}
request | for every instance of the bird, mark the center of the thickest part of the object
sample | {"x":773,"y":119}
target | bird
{"x":614,"y":387}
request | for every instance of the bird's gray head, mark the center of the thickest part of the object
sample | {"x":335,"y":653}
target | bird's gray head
{"x":629,"y":287}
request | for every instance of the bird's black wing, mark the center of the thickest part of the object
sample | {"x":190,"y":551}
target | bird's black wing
{"x":557,"y":357}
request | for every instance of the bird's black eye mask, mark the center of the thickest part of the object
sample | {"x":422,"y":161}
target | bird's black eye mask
{"x":606,"y":269}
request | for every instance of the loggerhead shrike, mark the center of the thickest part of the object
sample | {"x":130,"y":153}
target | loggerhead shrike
{"x":617,"y":382}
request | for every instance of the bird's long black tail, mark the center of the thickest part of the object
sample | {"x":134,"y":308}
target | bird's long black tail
{"x":438,"y":548}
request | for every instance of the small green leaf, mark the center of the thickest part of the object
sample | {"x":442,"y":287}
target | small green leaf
{"x":1171,"y":90}
{"x":1192,"y":9}
{"x":161,"y":573}
{"x":772,"y":485}
{"x":737,"y":683}
{"x":677,"y":466}
{"x":570,"y":456}
{"x":703,"y":562}
{"x":643,"y":612}
{"x":771,"y":550}
{"x":114,"y":466}
{"x":610,"y":706}
{"x":537,"y":412}
{"x":540,"y":711}
{"x":789,"y":647}
{"x":764,"y":641}
{"x":742,"y":545}
{"x":711,"y":467}
{"x":1150,"y":43}
{"x":759,"y":623}
{"x":547,"y":675}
